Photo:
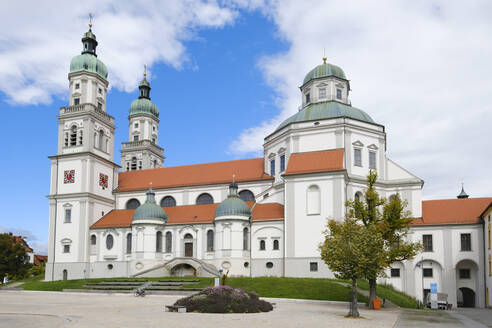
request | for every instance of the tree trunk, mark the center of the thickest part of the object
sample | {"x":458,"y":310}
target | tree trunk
{"x":354,"y":310}
{"x":372,"y":292}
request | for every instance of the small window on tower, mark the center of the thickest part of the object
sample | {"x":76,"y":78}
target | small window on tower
{"x":153,"y":128}
{"x":308,"y":98}
{"x":153,"y":140}
{"x":76,"y":101}
{"x":66,"y":248}
{"x":100,"y":91}
{"x":357,"y":157}
{"x":135,"y":138}
{"x":99,"y":105}
{"x":339,"y":94}
{"x":68,"y":215}
{"x":134,"y":163}
{"x":77,"y":86}
{"x":136,"y":125}
{"x":66,"y":139}
{"x":73,"y":136}
{"x":81,"y":137}
{"x":140,"y":165}
{"x":322,"y":93}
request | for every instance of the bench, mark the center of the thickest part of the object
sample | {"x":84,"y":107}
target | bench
{"x":175,"y":308}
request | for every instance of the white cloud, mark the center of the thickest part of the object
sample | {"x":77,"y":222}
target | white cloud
{"x":38,"y":246}
{"x":421,"y":68}
{"x":41,"y":38}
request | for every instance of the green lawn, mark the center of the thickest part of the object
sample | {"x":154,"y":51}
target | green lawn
{"x":388,"y":292}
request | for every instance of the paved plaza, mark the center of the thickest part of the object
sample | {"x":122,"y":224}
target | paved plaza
{"x":51,"y":309}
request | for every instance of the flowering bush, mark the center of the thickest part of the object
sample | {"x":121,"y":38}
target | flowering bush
{"x":224,"y":299}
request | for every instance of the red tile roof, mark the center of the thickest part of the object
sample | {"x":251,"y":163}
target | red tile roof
{"x":189,"y":214}
{"x":315,"y":161}
{"x":20,"y":240}
{"x":40,"y":259}
{"x":193,"y":175}
{"x":452,"y":211}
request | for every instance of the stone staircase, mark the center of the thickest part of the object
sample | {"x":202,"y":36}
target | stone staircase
{"x":150,"y":287}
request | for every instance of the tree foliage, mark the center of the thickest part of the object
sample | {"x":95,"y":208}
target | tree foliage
{"x":351,"y":251}
{"x":14,"y":261}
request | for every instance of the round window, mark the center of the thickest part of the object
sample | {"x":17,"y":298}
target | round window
{"x":269,"y":265}
{"x":110,"y":266}
{"x":246,"y":264}
{"x":109,"y":241}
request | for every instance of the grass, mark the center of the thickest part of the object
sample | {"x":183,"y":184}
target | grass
{"x":390,"y":293}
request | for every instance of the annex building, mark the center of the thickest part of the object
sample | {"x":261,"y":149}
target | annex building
{"x":254,"y":217}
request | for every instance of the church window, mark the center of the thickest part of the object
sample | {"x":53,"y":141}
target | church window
{"x":76,"y":101}
{"x":393,"y":197}
{"x":100,"y":91}
{"x":428,"y":273}
{"x":269,"y":265}
{"x":136,"y":125}
{"x":358,"y":196}
{"x":276,"y":245}
{"x":262,"y":245}
{"x":110,"y":267}
{"x":282,"y":163}
{"x":357,"y":157}
{"x":128,"y":166}
{"x":395,"y":273}
{"x":77,"y":85}
{"x":134,"y":163}
{"x":93,"y":239}
{"x":246,"y":195}
{"x":99,"y":105}
{"x":135,"y":138}
{"x":272,"y":167}
{"x":372,"y":160}
{"x":101,"y":139}
{"x":322,"y":93}
{"x":466,"y":242}
{"x":313,"y":266}
{"x":308,"y":98}
{"x":66,"y":248}
{"x":168,"y":201}
{"x":81,"y":137}
{"x":132,"y":204}
{"x":245,"y":239}
{"x":339,"y":94}
{"x":153,"y":128}
{"x":210,"y":241}
{"x":204,"y":199}
{"x":169,"y":242}
{"x":128,"y":243}
{"x":155,"y":163}
{"x":68,"y":215}
{"x":158,"y":242}
{"x":139,"y":165}
{"x":109,"y":241}
{"x":427,"y":241}
{"x":465,"y":274}
{"x":73,"y":136}
{"x":65,"y":274}
{"x":66,"y":139}
{"x":313,"y":200}
{"x":153,"y":140}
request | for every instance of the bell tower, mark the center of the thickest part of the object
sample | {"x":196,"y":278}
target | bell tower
{"x":83,"y":172}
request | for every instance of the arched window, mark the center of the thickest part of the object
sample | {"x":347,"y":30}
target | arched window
{"x":95,"y":139}
{"x":65,"y":274}
{"x":134,"y":163}
{"x":210,"y":241}
{"x":168,"y":201}
{"x":393,"y":197}
{"x":73,"y":136}
{"x":128,"y":243}
{"x":188,"y":236}
{"x":158,"y":241}
{"x":169,"y":242}
{"x":313,"y":200}
{"x":81,"y":137}
{"x":132,"y":204}
{"x":204,"y":199}
{"x":93,"y":239}
{"x":101,"y":139}
{"x":358,"y":196}
{"x":275,"y":245}
{"x":262,"y":245}
{"x":246,"y":195}
{"x":245,"y":239}
{"x":109,"y":241}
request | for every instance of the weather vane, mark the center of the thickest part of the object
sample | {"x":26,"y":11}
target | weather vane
{"x":90,"y":20}
{"x":145,"y":70}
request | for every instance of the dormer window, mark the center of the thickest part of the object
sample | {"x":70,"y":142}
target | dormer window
{"x":322,"y":93}
{"x":339,"y":94}
{"x":308,"y":98}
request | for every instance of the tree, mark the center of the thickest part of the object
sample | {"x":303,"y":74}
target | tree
{"x":14,"y":262}
{"x":392,"y":220}
{"x":351,"y":251}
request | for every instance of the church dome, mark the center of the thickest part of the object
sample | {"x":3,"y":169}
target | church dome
{"x":150,"y":211}
{"x":89,"y":63}
{"x":233,"y":205}
{"x":326,"y":110}
{"x":143,"y":105}
{"x":324,"y":70}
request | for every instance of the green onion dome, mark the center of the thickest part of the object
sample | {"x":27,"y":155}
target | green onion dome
{"x":150,"y":211}
{"x":143,"y":105}
{"x":87,"y":61}
{"x":326,"y":110}
{"x":233,"y":205}
{"x":324,"y":70}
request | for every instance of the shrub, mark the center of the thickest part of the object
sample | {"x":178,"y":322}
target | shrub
{"x":224,"y":299}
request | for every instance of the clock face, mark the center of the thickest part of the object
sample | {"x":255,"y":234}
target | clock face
{"x":103,"y":180}
{"x":69,"y":176}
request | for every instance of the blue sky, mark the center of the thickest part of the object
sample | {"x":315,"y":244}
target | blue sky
{"x":225,"y":73}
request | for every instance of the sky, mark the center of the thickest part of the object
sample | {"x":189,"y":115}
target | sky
{"x":224,"y":74}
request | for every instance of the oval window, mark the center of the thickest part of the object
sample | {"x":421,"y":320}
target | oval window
{"x":109,"y":241}
{"x":269,"y":265}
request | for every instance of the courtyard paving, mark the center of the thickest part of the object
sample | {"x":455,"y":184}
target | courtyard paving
{"x":52,"y":309}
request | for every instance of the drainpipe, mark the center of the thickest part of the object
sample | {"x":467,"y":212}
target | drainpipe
{"x":250,"y":239}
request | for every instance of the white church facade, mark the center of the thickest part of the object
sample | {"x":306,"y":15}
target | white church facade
{"x":253,"y":217}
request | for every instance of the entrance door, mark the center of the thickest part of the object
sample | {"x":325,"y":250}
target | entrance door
{"x":188,"y":249}
{"x":65,"y":274}
{"x":468,"y":297}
